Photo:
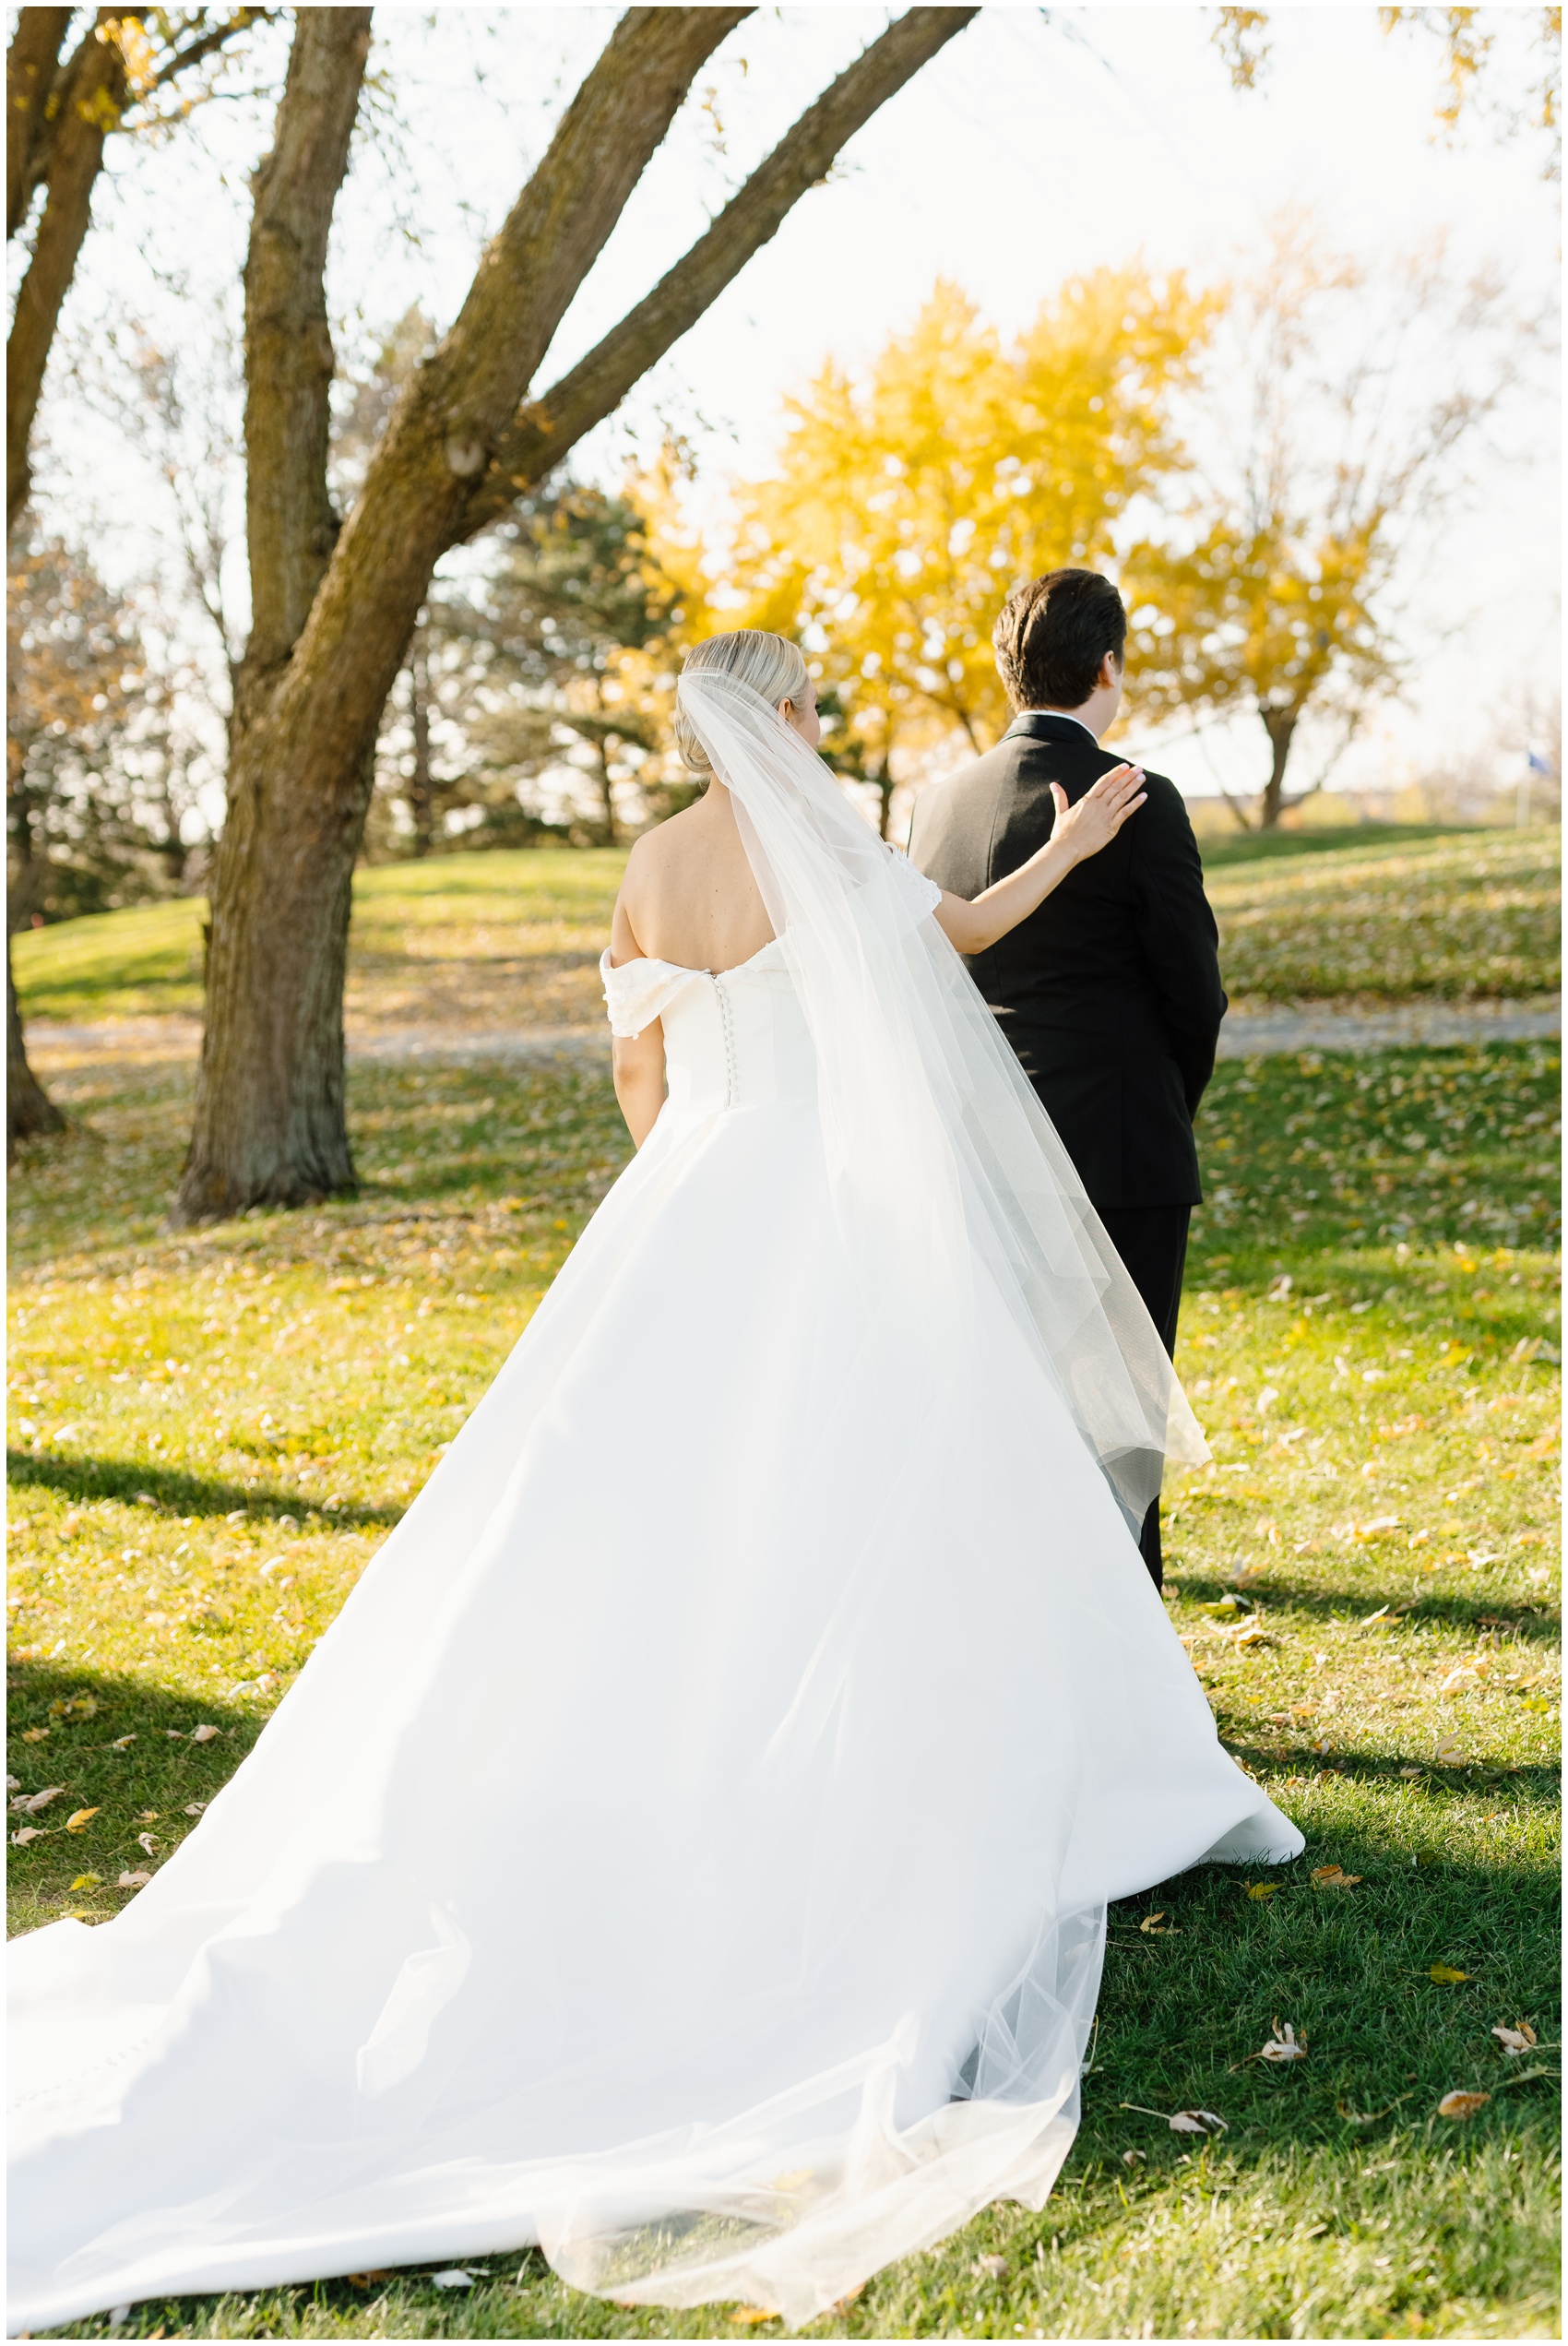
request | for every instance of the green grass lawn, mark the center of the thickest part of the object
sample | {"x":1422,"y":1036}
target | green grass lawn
{"x":210,"y":1432}
{"x":1468,"y":916}
{"x":514,"y":935}
{"x":1385,"y":912}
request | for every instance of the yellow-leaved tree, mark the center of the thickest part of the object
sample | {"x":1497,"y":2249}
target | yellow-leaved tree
{"x":907,"y":502}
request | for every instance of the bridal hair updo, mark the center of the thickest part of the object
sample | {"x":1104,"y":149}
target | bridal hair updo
{"x":772,"y":667}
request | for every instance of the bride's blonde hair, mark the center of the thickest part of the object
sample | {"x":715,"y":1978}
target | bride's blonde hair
{"x":771,"y":665}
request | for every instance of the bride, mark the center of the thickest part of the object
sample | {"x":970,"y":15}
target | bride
{"x":689,"y":1848}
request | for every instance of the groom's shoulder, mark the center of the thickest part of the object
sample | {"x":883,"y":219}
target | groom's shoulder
{"x":960,"y":810}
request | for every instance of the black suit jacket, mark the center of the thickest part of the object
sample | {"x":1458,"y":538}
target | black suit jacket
{"x":1109,"y":994}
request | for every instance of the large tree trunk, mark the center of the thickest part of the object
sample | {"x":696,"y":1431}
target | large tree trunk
{"x":32,"y":72}
{"x":29,"y":1108}
{"x":422,"y":789}
{"x":281,"y":883}
{"x":90,"y":100}
{"x":268,"y":1121}
{"x":1280,"y":726}
{"x":269,"y":1124}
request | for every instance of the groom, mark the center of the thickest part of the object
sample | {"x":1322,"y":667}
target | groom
{"x":1109,"y":994}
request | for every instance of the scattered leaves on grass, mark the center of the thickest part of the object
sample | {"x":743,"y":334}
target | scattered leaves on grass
{"x":1180,"y":2121}
{"x":1520,"y":2038}
{"x":1446,"y":1974}
{"x":80,"y":1821}
{"x":453,"y":2278}
{"x":367,"y":2281}
{"x":1262,"y":1889}
{"x":204,"y":1734}
{"x":93,"y":1882}
{"x":989,"y":2268}
{"x":1334,"y":1877}
{"x":147,"y":1841}
{"x":751,"y":2315}
{"x":1462,"y":2105}
{"x":34,"y":1735}
{"x":1155,"y":1926}
{"x":121,"y":1742}
{"x":1133,"y":2159}
{"x":1282,"y":2045}
{"x":35,"y":1802}
{"x":132,"y":1881}
{"x":28,"y":1833}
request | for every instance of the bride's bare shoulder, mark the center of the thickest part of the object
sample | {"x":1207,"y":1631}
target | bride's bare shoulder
{"x":669,"y":839}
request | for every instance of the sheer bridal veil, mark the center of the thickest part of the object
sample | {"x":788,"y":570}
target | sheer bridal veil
{"x":945,"y":1169}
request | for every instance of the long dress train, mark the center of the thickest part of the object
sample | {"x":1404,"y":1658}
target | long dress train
{"x":688,"y":1849}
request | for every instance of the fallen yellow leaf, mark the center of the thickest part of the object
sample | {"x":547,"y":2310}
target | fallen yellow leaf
{"x":1262,"y":1889}
{"x":79,"y":1822}
{"x":1334,"y":1877}
{"x":92,"y":1881}
{"x":751,"y":2315}
{"x":34,"y":1735}
{"x":1156,"y":1926}
{"x":793,"y":2179}
{"x":1462,"y":2105}
{"x":1447,"y":1975}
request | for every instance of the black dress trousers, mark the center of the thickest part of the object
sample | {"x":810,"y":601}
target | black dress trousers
{"x":1152,"y":1241}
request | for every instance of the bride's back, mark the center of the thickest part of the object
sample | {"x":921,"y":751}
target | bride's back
{"x":689,"y":895}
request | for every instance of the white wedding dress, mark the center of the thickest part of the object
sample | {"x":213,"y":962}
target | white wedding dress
{"x":689,"y":1848}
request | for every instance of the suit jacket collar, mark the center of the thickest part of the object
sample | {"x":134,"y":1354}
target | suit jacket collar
{"x":1046,"y":725}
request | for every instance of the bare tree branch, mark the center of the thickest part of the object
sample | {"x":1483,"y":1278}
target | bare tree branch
{"x":546,"y":429}
{"x":290,"y":523}
{"x":33,"y":71}
{"x":91,"y":105}
{"x":208,"y":44}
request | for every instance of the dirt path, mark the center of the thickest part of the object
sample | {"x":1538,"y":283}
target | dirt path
{"x":1247,"y":1034}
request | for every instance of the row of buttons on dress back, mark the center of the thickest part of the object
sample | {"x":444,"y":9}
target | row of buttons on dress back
{"x":726,"y":1019}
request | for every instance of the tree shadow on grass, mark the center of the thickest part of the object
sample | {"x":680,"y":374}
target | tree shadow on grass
{"x":1352,"y":1606}
{"x":1272,"y":1757}
{"x":174,"y":1492}
{"x":89,"y":1715}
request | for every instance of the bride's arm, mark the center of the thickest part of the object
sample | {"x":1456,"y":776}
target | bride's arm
{"x":637,"y":1061}
{"x":1081,"y":831}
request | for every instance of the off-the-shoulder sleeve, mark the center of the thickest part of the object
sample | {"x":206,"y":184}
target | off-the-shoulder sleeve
{"x":639,"y":992}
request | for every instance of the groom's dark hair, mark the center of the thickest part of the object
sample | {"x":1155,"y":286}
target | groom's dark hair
{"x":1052,"y":635}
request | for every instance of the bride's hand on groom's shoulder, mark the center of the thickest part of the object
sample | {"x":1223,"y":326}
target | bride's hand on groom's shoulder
{"x":1094,"y":822}
{"x":1079,"y":832}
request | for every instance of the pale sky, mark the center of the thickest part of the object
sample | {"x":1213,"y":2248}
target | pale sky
{"x":1036,"y":145}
